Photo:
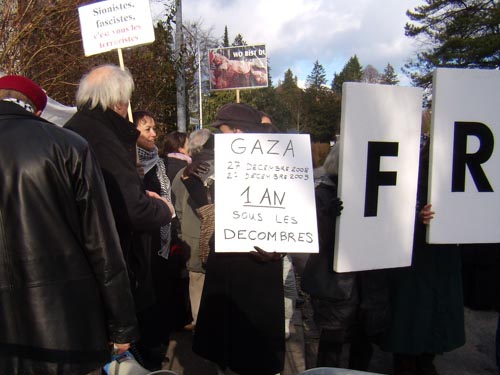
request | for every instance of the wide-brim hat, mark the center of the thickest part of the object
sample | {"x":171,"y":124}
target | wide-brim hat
{"x":26,"y":87}
{"x":237,"y":115}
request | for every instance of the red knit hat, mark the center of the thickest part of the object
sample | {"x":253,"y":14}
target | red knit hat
{"x":27,"y":87}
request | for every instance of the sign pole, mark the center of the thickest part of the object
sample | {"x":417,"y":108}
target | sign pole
{"x":122,"y":66}
{"x":237,"y":95}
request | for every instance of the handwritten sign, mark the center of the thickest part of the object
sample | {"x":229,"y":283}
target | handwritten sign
{"x":114,"y":24}
{"x":264,"y":193}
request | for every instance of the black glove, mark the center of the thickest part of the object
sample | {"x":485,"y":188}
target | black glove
{"x":336,"y":207}
{"x":263,"y":256}
{"x":196,"y":168}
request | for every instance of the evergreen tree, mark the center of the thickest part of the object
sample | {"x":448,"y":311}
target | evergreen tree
{"x":462,"y":34}
{"x":352,"y":72}
{"x":389,"y":77}
{"x":239,"y":41}
{"x":289,"y":80}
{"x":290,"y":99}
{"x":317,"y":78}
{"x":225,"y":40}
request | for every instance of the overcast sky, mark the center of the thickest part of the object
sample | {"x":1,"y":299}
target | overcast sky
{"x":299,"y":32}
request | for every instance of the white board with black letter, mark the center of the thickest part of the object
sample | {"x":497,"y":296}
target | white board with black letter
{"x":378,"y":172}
{"x":264,"y":192}
{"x":465,"y":166}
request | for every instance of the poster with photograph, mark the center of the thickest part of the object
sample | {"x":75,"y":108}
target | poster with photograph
{"x":238,"y":67}
{"x":264,"y":193}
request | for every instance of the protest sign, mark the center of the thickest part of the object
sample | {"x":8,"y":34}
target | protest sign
{"x":114,"y":24}
{"x":264,"y":193}
{"x":238,"y":67}
{"x":379,"y":155}
{"x":464,"y":165}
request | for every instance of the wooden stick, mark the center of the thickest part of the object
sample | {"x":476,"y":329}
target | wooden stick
{"x":122,"y":66}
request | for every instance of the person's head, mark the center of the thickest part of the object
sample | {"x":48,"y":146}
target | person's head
{"x":198,"y":139}
{"x":331,"y":163}
{"x":238,"y":118}
{"x":145,"y":123}
{"x":106,"y":86}
{"x":265,"y":118}
{"x":176,"y":142}
{"x":25,"y":90}
{"x":267,"y":121}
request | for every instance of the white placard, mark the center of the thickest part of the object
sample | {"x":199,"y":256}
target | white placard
{"x":465,"y":165}
{"x":113,"y":24}
{"x":376,"y":227}
{"x":264,"y":193}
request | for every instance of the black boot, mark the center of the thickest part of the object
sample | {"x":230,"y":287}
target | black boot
{"x":330,"y":349}
{"x":404,"y":364}
{"x":425,"y":364}
{"x":360,"y":355}
{"x":329,"y":355}
{"x":361,"y":351}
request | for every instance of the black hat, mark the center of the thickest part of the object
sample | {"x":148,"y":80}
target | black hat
{"x":237,"y":115}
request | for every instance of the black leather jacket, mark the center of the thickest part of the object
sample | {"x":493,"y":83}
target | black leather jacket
{"x":64,"y":291}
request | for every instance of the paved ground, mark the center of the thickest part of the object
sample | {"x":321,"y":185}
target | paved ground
{"x":476,"y":357}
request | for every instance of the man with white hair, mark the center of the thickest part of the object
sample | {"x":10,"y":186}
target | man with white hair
{"x":102,"y":100}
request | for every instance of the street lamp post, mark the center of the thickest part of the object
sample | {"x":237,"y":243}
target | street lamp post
{"x":200,"y":102}
{"x":200,"y":96}
{"x":180,"y":79}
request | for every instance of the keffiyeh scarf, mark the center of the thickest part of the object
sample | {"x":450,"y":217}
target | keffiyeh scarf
{"x":21,"y":103}
{"x":150,"y":159}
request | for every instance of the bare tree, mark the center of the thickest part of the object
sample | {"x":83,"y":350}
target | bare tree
{"x":42,"y":40}
{"x":370,"y":75}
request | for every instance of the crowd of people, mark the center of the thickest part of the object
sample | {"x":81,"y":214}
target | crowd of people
{"x":107,"y":245}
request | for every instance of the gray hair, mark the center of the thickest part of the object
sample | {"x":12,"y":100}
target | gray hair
{"x":197,"y":139}
{"x":106,"y":86}
{"x":331,"y":163}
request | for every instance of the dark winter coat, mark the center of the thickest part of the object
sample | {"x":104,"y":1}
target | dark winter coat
{"x":170,"y":284}
{"x":428,"y":313}
{"x":113,"y":140}
{"x":64,"y":290}
{"x":241,"y":321}
{"x":342,"y":300}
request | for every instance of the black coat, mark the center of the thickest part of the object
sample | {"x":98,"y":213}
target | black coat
{"x":170,"y":284}
{"x":427,"y":300}
{"x":241,"y":321}
{"x":64,"y":291}
{"x":342,"y":300}
{"x":113,"y":140}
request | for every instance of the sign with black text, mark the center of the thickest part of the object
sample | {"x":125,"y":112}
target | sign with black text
{"x":264,"y":193}
{"x":464,"y":164}
{"x":113,"y":24}
{"x":378,"y":173}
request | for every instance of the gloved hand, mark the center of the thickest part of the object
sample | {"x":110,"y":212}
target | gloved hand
{"x":336,"y":207}
{"x":263,"y":256}
{"x":196,"y":168}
